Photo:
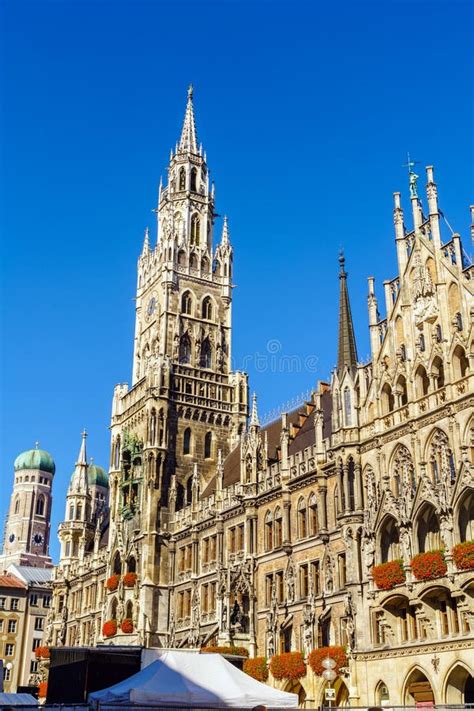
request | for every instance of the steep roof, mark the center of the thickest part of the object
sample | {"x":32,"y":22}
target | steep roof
{"x":10,"y":581}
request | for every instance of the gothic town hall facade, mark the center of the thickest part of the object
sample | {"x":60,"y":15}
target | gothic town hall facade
{"x":345,"y":522}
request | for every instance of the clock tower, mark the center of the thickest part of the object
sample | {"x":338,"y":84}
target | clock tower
{"x":27,"y":529}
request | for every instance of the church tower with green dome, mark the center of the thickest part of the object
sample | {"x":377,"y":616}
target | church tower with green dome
{"x":27,"y":529}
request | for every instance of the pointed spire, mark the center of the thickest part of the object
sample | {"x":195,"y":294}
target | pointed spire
{"x":146,"y":241}
{"x":225,"y":232}
{"x":254,"y":421}
{"x":82,"y":459}
{"x":188,"y":140}
{"x":347,"y":351}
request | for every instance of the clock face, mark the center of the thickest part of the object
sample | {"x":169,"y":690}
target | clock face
{"x":38,"y":539}
{"x":11,"y":537}
{"x":151,"y":308}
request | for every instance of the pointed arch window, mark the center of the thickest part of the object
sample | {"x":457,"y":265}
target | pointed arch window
{"x":302,"y":515}
{"x":278,"y":528}
{"x":182,"y":179}
{"x":347,"y":407}
{"x":313,"y":516}
{"x":205,"y":360}
{"x":189,"y":490}
{"x":388,"y":401}
{"x":186,"y":303}
{"x":422,"y":382}
{"x":40,"y":504}
{"x":207,"y":308}
{"x":438,"y":372}
{"x":195,"y":229}
{"x":117,"y":564}
{"x":187,"y":441}
{"x":208,"y":445}
{"x":71,"y":512}
{"x":268,"y":531}
{"x":194,"y":180}
{"x":185,"y":349}
{"x":17,"y":505}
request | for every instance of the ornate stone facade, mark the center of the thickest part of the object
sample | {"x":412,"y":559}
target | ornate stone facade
{"x":267,"y":537}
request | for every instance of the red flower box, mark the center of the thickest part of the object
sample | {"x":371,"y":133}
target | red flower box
{"x":127,"y":626}
{"x":317,"y":656}
{"x":129,"y":579}
{"x":42,"y":653}
{"x":289,"y":665}
{"x":42,"y":689}
{"x":463,"y":555}
{"x":109,"y":628}
{"x":387,"y":575}
{"x":112,"y":582}
{"x":429,"y":565}
{"x":257,"y":668}
{"x":237,"y":651}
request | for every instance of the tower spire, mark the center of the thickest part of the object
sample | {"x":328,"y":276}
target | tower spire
{"x":347,"y":350}
{"x":188,"y":140}
{"x":82,"y":459}
{"x":254,"y":421}
{"x":225,"y":232}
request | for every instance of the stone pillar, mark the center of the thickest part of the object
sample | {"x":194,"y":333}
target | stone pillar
{"x":323,"y":516}
{"x":359,"y":496}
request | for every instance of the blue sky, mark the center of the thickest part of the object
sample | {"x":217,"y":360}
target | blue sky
{"x":306,"y":111}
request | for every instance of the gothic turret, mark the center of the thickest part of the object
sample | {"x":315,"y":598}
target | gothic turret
{"x":77,"y":529}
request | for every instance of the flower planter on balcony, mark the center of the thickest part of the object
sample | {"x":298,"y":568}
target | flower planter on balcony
{"x":316,"y":657}
{"x":429,"y":565}
{"x":387,"y":575}
{"x":42,"y":653}
{"x":289,"y":665}
{"x":112,"y":582}
{"x":256,"y":668}
{"x":237,"y":651}
{"x":109,"y":628}
{"x":127,"y":626}
{"x":463,"y":555}
{"x":129,"y":580}
{"x":42,"y":689}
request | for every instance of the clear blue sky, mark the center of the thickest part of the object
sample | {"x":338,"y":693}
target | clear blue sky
{"x":306,"y":112}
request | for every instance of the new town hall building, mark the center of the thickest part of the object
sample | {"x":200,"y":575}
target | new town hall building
{"x":211,"y":529}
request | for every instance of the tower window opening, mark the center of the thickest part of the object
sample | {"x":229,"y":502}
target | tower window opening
{"x":207,"y":308}
{"x":194,"y":180}
{"x":187,"y":441}
{"x":182,"y":179}
{"x":195,"y":229}
{"x":186,"y":303}
{"x":208,"y":445}
{"x":185,"y":349}
{"x":205,"y":360}
{"x":40,"y":506}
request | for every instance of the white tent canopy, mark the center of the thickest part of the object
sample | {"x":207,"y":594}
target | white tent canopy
{"x":187,"y":679}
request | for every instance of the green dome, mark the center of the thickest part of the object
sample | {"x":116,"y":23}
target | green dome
{"x":35,"y":459}
{"x":96,"y":476}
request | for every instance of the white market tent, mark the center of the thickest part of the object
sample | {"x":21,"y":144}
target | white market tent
{"x":193,"y":680}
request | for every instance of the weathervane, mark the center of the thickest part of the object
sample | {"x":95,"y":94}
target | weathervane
{"x":410,"y":164}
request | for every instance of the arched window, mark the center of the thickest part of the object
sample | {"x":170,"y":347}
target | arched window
{"x":313,"y":515}
{"x":187,"y":441}
{"x":182,"y":179}
{"x":351,"y":481}
{"x":441,"y":458}
{"x":129,"y":611}
{"x":429,"y":538}
{"x":182,"y":258}
{"x":268,"y":531}
{"x":217,"y":268}
{"x":207,"y":308}
{"x":302,"y":519}
{"x":195,"y":229}
{"x":347,"y":407}
{"x":205,"y":360}
{"x":278,"y":528}
{"x":117,"y":453}
{"x":404,"y":471}
{"x":153,"y":426}
{"x":460,"y":363}
{"x":389,"y":541}
{"x":189,"y":490}
{"x":79,"y":512}
{"x":402,"y":391}
{"x":422,"y":382}
{"x":208,"y":445}
{"x":71,"y":512}
{"x":185,"y":349}
{"x":194,"y":180}
{"x":388,"y":401}
{"x":132,"y":565}
{"x":193,"y":261}
{"x":17,"y":505}
{"x":40,"y":506}
{"x":205,"y":265}
{"x":438,"y":372}
{"x":186,"y":303}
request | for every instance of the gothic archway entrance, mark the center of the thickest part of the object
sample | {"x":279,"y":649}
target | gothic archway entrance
{"x":459,"y":686}
{"x":418,"y":688}
{"x":294,"y":687}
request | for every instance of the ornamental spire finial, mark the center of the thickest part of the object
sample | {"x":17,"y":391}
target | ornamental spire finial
{"x":347,"y":350}
{"x":188,"y":140}
{"x":410,"y":164}
{"x":254,"y":421}
{"x":146,"y":241}
{"x":225,"y":231}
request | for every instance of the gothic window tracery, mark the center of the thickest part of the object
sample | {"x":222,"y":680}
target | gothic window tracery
{"x":302,"y":518}
{"x":429,"y":537}
{"x":207,"y":308}
{"x":441,"y":458}
{"x":403,"y":472}
{"x":186,"y":303}
{"x":195,"y":229}
{"x":205,"y":360}
{"x":40,"y":504}
{"x":268,"y":531}
{"x":185,"y":349}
